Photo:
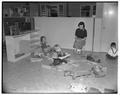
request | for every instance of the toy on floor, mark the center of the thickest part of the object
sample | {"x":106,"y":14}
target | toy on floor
{"x":35,"y":57}
{"x":97,"y":70}
{"x":90,"y":57}
{"x":68,"y":73}
{"x":58,"y":61}
{"x":74,"y":76}
{"x":36,"y":60}
{"x":78,"y":87}
{"x":82,"y":88}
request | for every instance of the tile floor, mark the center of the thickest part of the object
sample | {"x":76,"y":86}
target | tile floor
{"x":27,"y":77}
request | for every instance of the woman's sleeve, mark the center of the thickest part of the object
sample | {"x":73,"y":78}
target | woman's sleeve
{"x":85,"y":33}
{"x":76,"y":33}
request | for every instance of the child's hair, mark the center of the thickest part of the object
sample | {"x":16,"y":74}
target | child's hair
{"x":113,"y":44}
{"x":56,"y":45}
{"x":81,"y":23}
{"x":41,"y":38}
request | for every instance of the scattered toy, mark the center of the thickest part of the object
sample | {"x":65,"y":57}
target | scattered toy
{"x":78,"y":87}
{"x":90,"y":57}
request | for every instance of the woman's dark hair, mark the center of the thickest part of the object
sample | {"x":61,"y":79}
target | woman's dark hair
{"x":81,"y":23}
{"x":41,"y":38}
{"x":113,"y":44}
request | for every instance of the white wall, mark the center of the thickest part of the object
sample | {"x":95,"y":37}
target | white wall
{"x":62,"y":30}
{"x":99,"y":10}
{"x":106,"y":28}
{"x":97,"y":36}
{"x":109,"y":25}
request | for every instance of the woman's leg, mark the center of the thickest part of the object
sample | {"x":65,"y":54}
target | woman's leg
{"x":82,"y":49}
{"x":79,"y":51}
{"x":80,"y":45}
{"x":75,"y":49}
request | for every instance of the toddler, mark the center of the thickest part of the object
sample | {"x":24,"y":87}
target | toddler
{"x":44,"y":46}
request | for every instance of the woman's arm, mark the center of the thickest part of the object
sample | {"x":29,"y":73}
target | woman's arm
{"x":76,"y":37}
{"x":84,"y":38}
{"x":85,"y":35}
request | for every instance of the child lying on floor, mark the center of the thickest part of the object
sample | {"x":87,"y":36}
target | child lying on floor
{"x":113,"y":52}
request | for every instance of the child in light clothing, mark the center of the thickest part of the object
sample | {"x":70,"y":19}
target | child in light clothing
{"x":58,"y":55}
{"x":58,"y":50}
{"x":112,"y":52}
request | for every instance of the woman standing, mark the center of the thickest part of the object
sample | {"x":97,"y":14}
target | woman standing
{"x":80,"y":37}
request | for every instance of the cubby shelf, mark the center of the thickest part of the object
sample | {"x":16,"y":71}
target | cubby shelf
{"x":20,"y":46}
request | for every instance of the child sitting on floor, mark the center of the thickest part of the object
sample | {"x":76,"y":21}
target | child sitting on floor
{"x":44,"y":46}
{"x":58,"y":50}
{"x":59,"y":56}
{"x":113,"y":52}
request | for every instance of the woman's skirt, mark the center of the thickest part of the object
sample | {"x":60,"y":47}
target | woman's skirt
{"x":79,"y":43}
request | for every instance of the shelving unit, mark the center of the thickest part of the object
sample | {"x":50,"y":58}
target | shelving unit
{"x":53,"y":9}
{"x":17,"y":25}
{"x":17,"y":47}
{"x":16,"y":9}
{"x":21,"y":46}
{"x":87,"y":10}
{"x":35,"y":41}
